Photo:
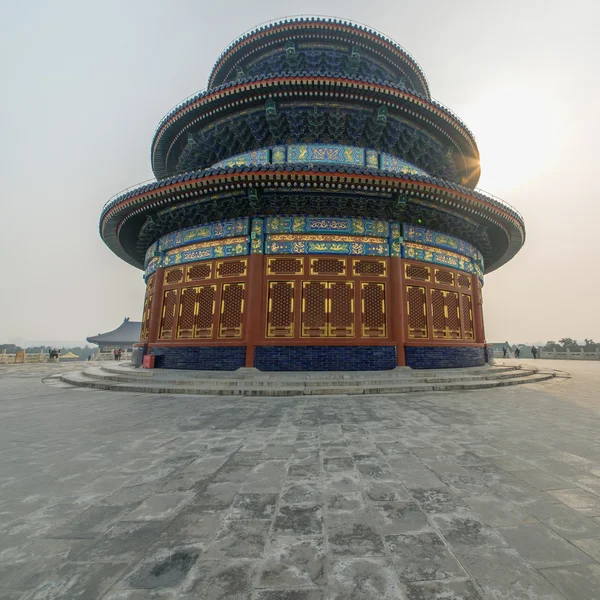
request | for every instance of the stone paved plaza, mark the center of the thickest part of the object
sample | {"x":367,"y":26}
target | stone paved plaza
{"x":489,"y":494}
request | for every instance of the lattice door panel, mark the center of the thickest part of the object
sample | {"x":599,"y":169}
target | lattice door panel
{"x":452,"y":307}
{"x":369,"y":268}
{"x":467,"y":316}
{"x":174,"y":275}
{"x":146,"y":318}
{"x":445,"y":315}
{"x":438,"y":316}
{"x":187,"y":310}
{"x":280,"y":315}
{"x":372,"y":300}
{"x":232,"y":310}
{"x":328,"y":266}
{"x":167,"y":321}
{"x":314,"y":309}
{"x":417,"y":272}
{"x":444,"y":276}
{"x":205,"y":311}
{"x":463,"y":281}
{"x":341,"y":309}
{"x":285,"y":266}
{"x":231,"y":268}
{"x":198,"y":272}
{"x":416,"y":310}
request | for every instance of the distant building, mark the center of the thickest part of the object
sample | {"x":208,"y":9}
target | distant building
{"x":69,"y":356}
{"x":124,"y":336}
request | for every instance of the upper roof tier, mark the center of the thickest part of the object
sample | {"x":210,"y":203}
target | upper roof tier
{"x":315,"y":80}
{"x":318,"y":43}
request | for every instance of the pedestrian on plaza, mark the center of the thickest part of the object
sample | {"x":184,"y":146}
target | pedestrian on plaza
{"x":119,"y":354}
{"x":116,"y":353}
{"x":517,"y":352}
{"x":504,"y":351}
{"x":534,"y":351}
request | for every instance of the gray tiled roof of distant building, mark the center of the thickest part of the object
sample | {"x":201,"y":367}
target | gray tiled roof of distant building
{"x":127,"y":333}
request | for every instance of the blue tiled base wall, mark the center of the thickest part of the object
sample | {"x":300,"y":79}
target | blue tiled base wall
{"x":325,"y":358}
{"x":444,"y":357}
{"x":205,"y":358}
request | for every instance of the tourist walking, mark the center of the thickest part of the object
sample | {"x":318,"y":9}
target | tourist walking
{"x":504,"y":351}
{"x":517,"y":352}
{"x":116,"y":353}
{"x":534,"y":351}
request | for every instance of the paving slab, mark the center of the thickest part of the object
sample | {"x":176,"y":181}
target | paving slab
{"x":541,"y":546}
{"x":491,"y":493}
{"x":577,"y":582}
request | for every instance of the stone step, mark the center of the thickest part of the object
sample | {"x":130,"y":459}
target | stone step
{"x":268,"y":381}
{"x":328,"y":376}
{"x":245,"y":388}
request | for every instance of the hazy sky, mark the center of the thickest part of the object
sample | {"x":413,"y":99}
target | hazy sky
{"x":85,"y":84}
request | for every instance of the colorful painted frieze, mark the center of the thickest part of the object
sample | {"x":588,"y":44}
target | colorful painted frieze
{"x":209,"y":231}
{"x":254,"y":157}
{"x":257,"y":243}
{"x":372,"y":159}
{"x":150,"y":253}
{"x":234,"y":246}
{"x":350,"y":226}
{"x":420,"y":235}
{"x":397,"y":165}
{"x":395,"y":240}
{"x":279,"y":155}
{"x":325,"y":153}
{"x":152,"y":266}
{"x":437,"y":256}
{"x":307,"y":244}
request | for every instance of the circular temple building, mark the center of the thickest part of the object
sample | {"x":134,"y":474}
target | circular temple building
{"x":313,"y":209}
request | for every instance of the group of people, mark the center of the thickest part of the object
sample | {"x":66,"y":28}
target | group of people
{"x":505,"y":350}
{"x":54,"y":352}
{"x":118,"y":353}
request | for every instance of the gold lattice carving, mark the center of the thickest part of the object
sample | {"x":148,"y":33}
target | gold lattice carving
{"x":174,"y":275}
{"x":187,"y":306}
{"x":370,"y":268}
{"x":205,"y":311}
{"x":232,"y":310}
{"x":444,"y":276}
{"x":445,"y":314}
{"x":373,"y":309}
{"x":467,"y":316}
{"x":168,"y":314}
{"x":416,"y":310}
{"x":285,"y":266}
{"x":328,"y":266}
{"x":231,"y":268}
{"x":341,"y":309}
{"x":417,"y":272}
{"x":280,"y":314}
{"x":198,"y":272}
{"x":314,"y":309}
{"x":463,"y":281}
{"x":146,"y":317}
{"x":150,"y":284}
{"x":453,"y":325}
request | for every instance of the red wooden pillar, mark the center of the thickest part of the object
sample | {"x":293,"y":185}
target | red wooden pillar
{"x":157,"y":306}
{"x":477,"y":311}
{"x":398,"y":308}
{"x":252,"y":308}
{"x":255,"y":282}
